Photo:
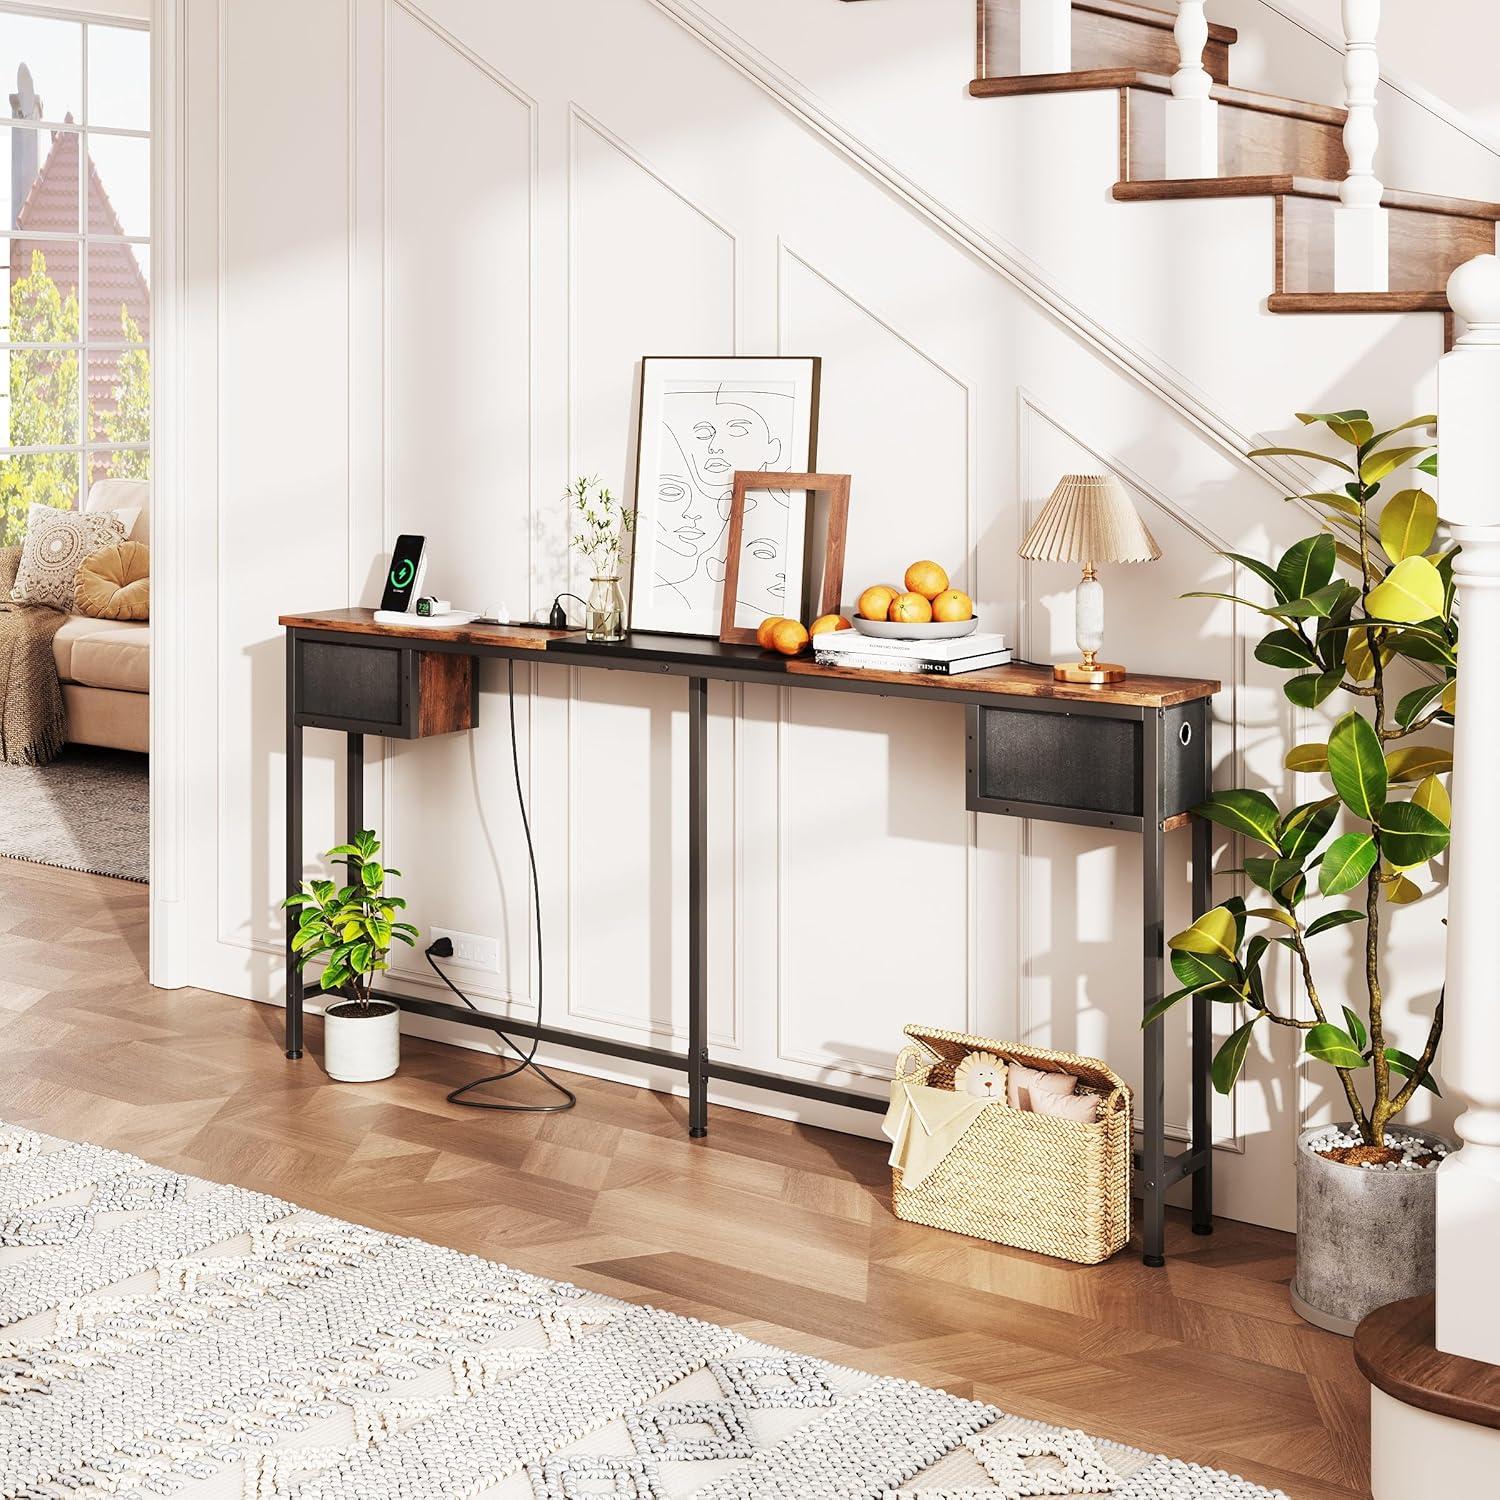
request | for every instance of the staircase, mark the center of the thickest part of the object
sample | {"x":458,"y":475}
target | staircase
{"x":1187,"y":132}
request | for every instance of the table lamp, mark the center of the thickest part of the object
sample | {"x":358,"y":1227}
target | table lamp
{"x":1089,"y":519}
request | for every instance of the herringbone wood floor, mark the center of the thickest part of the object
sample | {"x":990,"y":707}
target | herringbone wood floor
{"x":779,"y":1230}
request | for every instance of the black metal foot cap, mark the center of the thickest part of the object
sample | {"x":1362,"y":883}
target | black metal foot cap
{"x":698,"y":1132}
{"x":1154,"y":1261}
{"x":293,"y":1056}
{"x":1203,"y":1228}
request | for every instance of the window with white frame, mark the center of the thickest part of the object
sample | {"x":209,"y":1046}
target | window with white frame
{"x":75,"y":255}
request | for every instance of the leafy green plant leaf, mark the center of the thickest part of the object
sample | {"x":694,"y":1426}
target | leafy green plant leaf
{"x":1408,"y":524}
{"x":1306,"y":567}
{"x":1357,"y":766}
{"x":1272,"y":874}
{"x":1309,"y":690}
{"x":1350,"y":857}
{"x":1271,"y":914}
{"x":1305,"y":827}
{"x":1332,"y":919}
{"x":1200,"y":971}
{"x":1321,"y":603}
{"x":1429,"y":465}
{"x":1322,"y":458}
{"x":1410,"y":835}
{"x":1407,"y":1065}
{"x":1416,"y":762}
{"x":1286,"y":648}
{"x":1229,"y":1061}
{"x":1417,"y":702}
{"x":1244,"y":811}
{"x":1333,"y":1045}
{"x":1411,"y":592}
{"x":1430,"y":420}
{"x":1356,"y":1029}
{"x":1400,"y":891}
{"x":1262,"y":571}
{"x":1433,"y":795}
{"x":1375,"y":466}
{"x":1312,"y":756}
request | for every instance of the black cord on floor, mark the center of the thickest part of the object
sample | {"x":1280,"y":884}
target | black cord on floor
{"x":527,"y":1059}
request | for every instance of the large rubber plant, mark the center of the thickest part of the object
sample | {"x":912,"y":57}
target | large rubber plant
{"x":1366,"y":600}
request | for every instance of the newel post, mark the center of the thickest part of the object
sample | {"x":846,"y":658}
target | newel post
{"x":1468,"y":1184}
{"x":1361,"y":227}
{"x":1192,"y":116}
{"x":1046,"y":36}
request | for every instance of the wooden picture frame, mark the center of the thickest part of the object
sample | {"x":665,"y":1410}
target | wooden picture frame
{"x":820,"y":533}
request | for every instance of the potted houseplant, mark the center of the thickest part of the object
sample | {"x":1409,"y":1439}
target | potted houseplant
{"x":351,"y":928}
{"x":1367,"y":597}
{"x":603,"y":523}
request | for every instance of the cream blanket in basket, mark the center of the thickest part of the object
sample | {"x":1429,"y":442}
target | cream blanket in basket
{"x":924,"y":1125}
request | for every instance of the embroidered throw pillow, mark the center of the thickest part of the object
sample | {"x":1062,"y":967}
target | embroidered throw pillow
{"x":57,"y":544}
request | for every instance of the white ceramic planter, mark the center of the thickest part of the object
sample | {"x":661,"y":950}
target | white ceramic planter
{"x":1363,"y":1238}
{"x":361,"y":1043}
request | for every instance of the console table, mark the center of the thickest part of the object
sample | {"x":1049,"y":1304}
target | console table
{"x":1135,"y":755}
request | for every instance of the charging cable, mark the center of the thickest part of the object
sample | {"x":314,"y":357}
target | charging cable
{"x":443,"y":948}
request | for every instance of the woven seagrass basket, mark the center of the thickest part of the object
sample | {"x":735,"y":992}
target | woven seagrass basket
{"x":1061,"y":1187}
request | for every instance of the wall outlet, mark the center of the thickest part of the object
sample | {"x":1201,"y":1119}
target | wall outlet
{"x":472,"y":951}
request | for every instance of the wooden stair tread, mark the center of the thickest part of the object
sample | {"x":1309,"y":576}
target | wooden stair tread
{"x":1149,"y":15}
{"x":1297,"y":187}
{"x":1352,"y":302}
{"x":1159,"y":83}
{"x":1396,"y":1351}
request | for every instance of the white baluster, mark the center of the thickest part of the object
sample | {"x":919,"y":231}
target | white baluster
{"x":1468,"y":1217}
{"x":1046,"y":36}
{"x":1192,"y":116}
{"x":1361,"y":230}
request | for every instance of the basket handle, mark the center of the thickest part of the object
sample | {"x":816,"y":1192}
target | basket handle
{"x":911,"y":1053}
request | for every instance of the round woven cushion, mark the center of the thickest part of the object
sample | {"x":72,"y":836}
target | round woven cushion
{"x":115,"y":583}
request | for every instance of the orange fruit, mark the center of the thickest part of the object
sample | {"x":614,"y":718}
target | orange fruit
{"x":789,"y":637}
{"x":764,"y":629}
{"x":926,"y":578}
{"x":875,"y":602}
{"x":953,"y":604}
{"x":911,"y":609}
{"x":825,"y":623}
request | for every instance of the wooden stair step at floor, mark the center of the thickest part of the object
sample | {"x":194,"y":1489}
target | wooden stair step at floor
{"x":1105,"y":34}
{"x":1259,"y":134}
{"x":1430,"y":235}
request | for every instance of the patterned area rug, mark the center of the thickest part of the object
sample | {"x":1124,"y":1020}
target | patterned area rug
{"x":162,"y":1335}
{"x":87,"y":810}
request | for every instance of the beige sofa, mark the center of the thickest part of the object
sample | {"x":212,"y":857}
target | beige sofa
{"x":105,"y":665}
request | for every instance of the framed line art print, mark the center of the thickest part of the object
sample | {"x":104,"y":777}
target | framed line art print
{"x":702,"y":420}
{"x":786,"y":550}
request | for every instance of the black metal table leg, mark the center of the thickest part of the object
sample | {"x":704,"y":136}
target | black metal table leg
{"x":1153,"y":938}
{"x":293,"y":846}
{"x":354,"y":784}
{"x":697,"y":906}
{"x":1203,"y":1042}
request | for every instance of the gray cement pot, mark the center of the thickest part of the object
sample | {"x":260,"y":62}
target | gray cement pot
{"x":1364,"y":1238}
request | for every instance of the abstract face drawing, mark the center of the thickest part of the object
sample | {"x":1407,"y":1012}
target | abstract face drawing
{"x":761,"y":583}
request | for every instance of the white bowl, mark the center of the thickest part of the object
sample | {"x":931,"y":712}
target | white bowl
{"x":934,"y":630}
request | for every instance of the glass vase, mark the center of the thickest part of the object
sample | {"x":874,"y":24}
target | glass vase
{"x":606,"y":620}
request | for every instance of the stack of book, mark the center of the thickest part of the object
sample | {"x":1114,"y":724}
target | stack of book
{"x":947,"y":658}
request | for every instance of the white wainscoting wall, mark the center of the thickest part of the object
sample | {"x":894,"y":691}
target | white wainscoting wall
{"x":426,"y":243}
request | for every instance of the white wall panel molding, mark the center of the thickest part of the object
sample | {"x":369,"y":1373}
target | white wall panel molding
{"x":1168,"y":521}
{"x":942,"y":434}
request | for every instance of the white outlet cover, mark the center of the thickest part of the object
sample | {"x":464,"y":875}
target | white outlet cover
{"x":472,"y":950}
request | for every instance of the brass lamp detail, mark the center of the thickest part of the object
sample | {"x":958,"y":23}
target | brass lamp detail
{"x":1089,"y":519}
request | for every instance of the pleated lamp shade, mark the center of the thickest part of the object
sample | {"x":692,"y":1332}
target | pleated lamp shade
{"x":1089,"y":518}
